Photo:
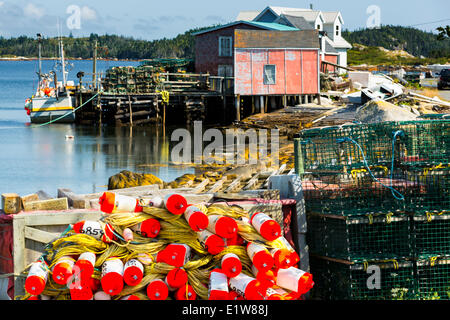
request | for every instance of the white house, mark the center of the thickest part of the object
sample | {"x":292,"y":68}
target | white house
{"x":330,"y":23}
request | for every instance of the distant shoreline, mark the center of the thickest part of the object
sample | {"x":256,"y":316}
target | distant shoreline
{"x":81,"y":59}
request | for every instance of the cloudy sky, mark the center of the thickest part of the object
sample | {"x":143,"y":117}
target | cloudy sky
{"x":151,"y":19}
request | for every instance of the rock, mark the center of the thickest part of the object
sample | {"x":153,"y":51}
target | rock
{"x":379,"y":110}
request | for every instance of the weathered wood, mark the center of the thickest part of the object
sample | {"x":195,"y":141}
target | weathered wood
{"x":252,"y":182}
{"x":201,"y":186}
{"x":74,"y":200}
{"x":187,"y":184}
{"x":234,"y":184}
{"x":218,"y":185}
{"x":52,"y":204}
{"x":19,"y":253}
{"x":263,"y":194}
{"x":28,"y":198}
{"x":39,"y":235}
{"x":11,"y":203}
{"x":44,"y":195}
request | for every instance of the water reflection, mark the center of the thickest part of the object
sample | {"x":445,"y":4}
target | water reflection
{"x":45,"y":159}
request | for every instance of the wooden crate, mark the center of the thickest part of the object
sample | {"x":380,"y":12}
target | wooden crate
{"x":32,"y":231}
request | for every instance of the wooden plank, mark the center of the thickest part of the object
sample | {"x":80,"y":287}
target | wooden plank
{"x":252,"y":182}
{"x":131,"y":192}
{"x":74,"y":200}
{"x":276,"y":172}
{"x":11,"y":203}
{"x":52,"y":204}
{"x":43,"y":195}
{"x":19,"y":254}
{"x":187,"y":184}
{"x":201,"y":186}
{"x":218,"y":185}
{"x":234,"y":184}
{"x":39,"y":235}
{"x":57,"y":218}
{"x":28,"y":198}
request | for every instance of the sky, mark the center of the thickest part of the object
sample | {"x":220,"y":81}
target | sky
{"x":151,"y":19}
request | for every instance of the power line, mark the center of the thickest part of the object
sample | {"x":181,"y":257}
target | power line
{"x":421,"y":24}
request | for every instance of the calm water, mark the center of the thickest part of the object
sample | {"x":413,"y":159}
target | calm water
{"x":41,"y":158}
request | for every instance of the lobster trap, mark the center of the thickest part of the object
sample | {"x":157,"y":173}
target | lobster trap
{"x":433,"y":278}
{"x":390,"y":166}
{"x":381,"y":236}
{"x":431,"y":233}
{"x":368,"y":280}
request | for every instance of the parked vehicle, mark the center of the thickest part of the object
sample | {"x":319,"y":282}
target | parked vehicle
{"x":444,"y":80}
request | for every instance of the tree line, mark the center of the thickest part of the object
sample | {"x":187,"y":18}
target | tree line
{"x":416,"y":42}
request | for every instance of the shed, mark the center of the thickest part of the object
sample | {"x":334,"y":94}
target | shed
{"x":214,"y":47}
{"x":276,"y":62}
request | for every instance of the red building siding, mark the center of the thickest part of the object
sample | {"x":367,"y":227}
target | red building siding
{"x":207,"y":49}
{"x":297,"y":71}
{"x":333,"y":58}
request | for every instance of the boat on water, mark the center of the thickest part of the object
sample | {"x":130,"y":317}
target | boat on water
{"x":55,"y":103}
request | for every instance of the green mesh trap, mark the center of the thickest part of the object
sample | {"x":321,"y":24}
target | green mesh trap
{"x":433,"y":278}
{"x":392,"y":166}
{"x":431,"y":233}
{"x":355,"y":146}
{"x":381,"y":236}
{"x":348,"y":280}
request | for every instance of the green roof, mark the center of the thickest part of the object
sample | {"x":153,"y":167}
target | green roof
{"x":273,"y":26}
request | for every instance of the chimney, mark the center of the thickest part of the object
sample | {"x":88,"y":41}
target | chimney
{"x":311,"y":6}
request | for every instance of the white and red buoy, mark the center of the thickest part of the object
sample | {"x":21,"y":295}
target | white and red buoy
{"x":36,"y":278}
{"x":112,"y":276}
{"x":218,"y":285}
{"x":223,"y":226}
{"x":231,"y":265}
{"x":111,"y":202}
{"x":268,"y":228}
{"x":196,"y":219}
{"x":133,"y":272}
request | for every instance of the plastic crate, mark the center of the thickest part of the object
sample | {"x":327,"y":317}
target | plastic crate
{"x":383,"y":236}
{"x":348,"y":280}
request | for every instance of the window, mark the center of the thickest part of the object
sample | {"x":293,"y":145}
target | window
{"x":225,"y":70}
{"x":337,"y":30}
{"x":225,"y":44}
{"x":269,"y":74}
{"x":318,"y":27}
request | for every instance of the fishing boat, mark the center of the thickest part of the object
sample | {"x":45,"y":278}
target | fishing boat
{"x":53,"y":104}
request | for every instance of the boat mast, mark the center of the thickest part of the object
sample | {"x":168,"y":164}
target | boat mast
{"x":63,"y":63}
{"x":94,"y":66}
{"x":40,"y":59}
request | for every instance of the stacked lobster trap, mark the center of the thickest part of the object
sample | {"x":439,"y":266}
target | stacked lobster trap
{"x":378,"y":195}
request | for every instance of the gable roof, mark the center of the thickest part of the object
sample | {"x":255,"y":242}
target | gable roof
{"x":278,"y":11}
{"x":262,"y":25}
{"x":245,"y":38}
{"x":331,"y":16}
{"x":296,"y":21}
{"x":310,"y":16}
{"x":247,"y":15}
